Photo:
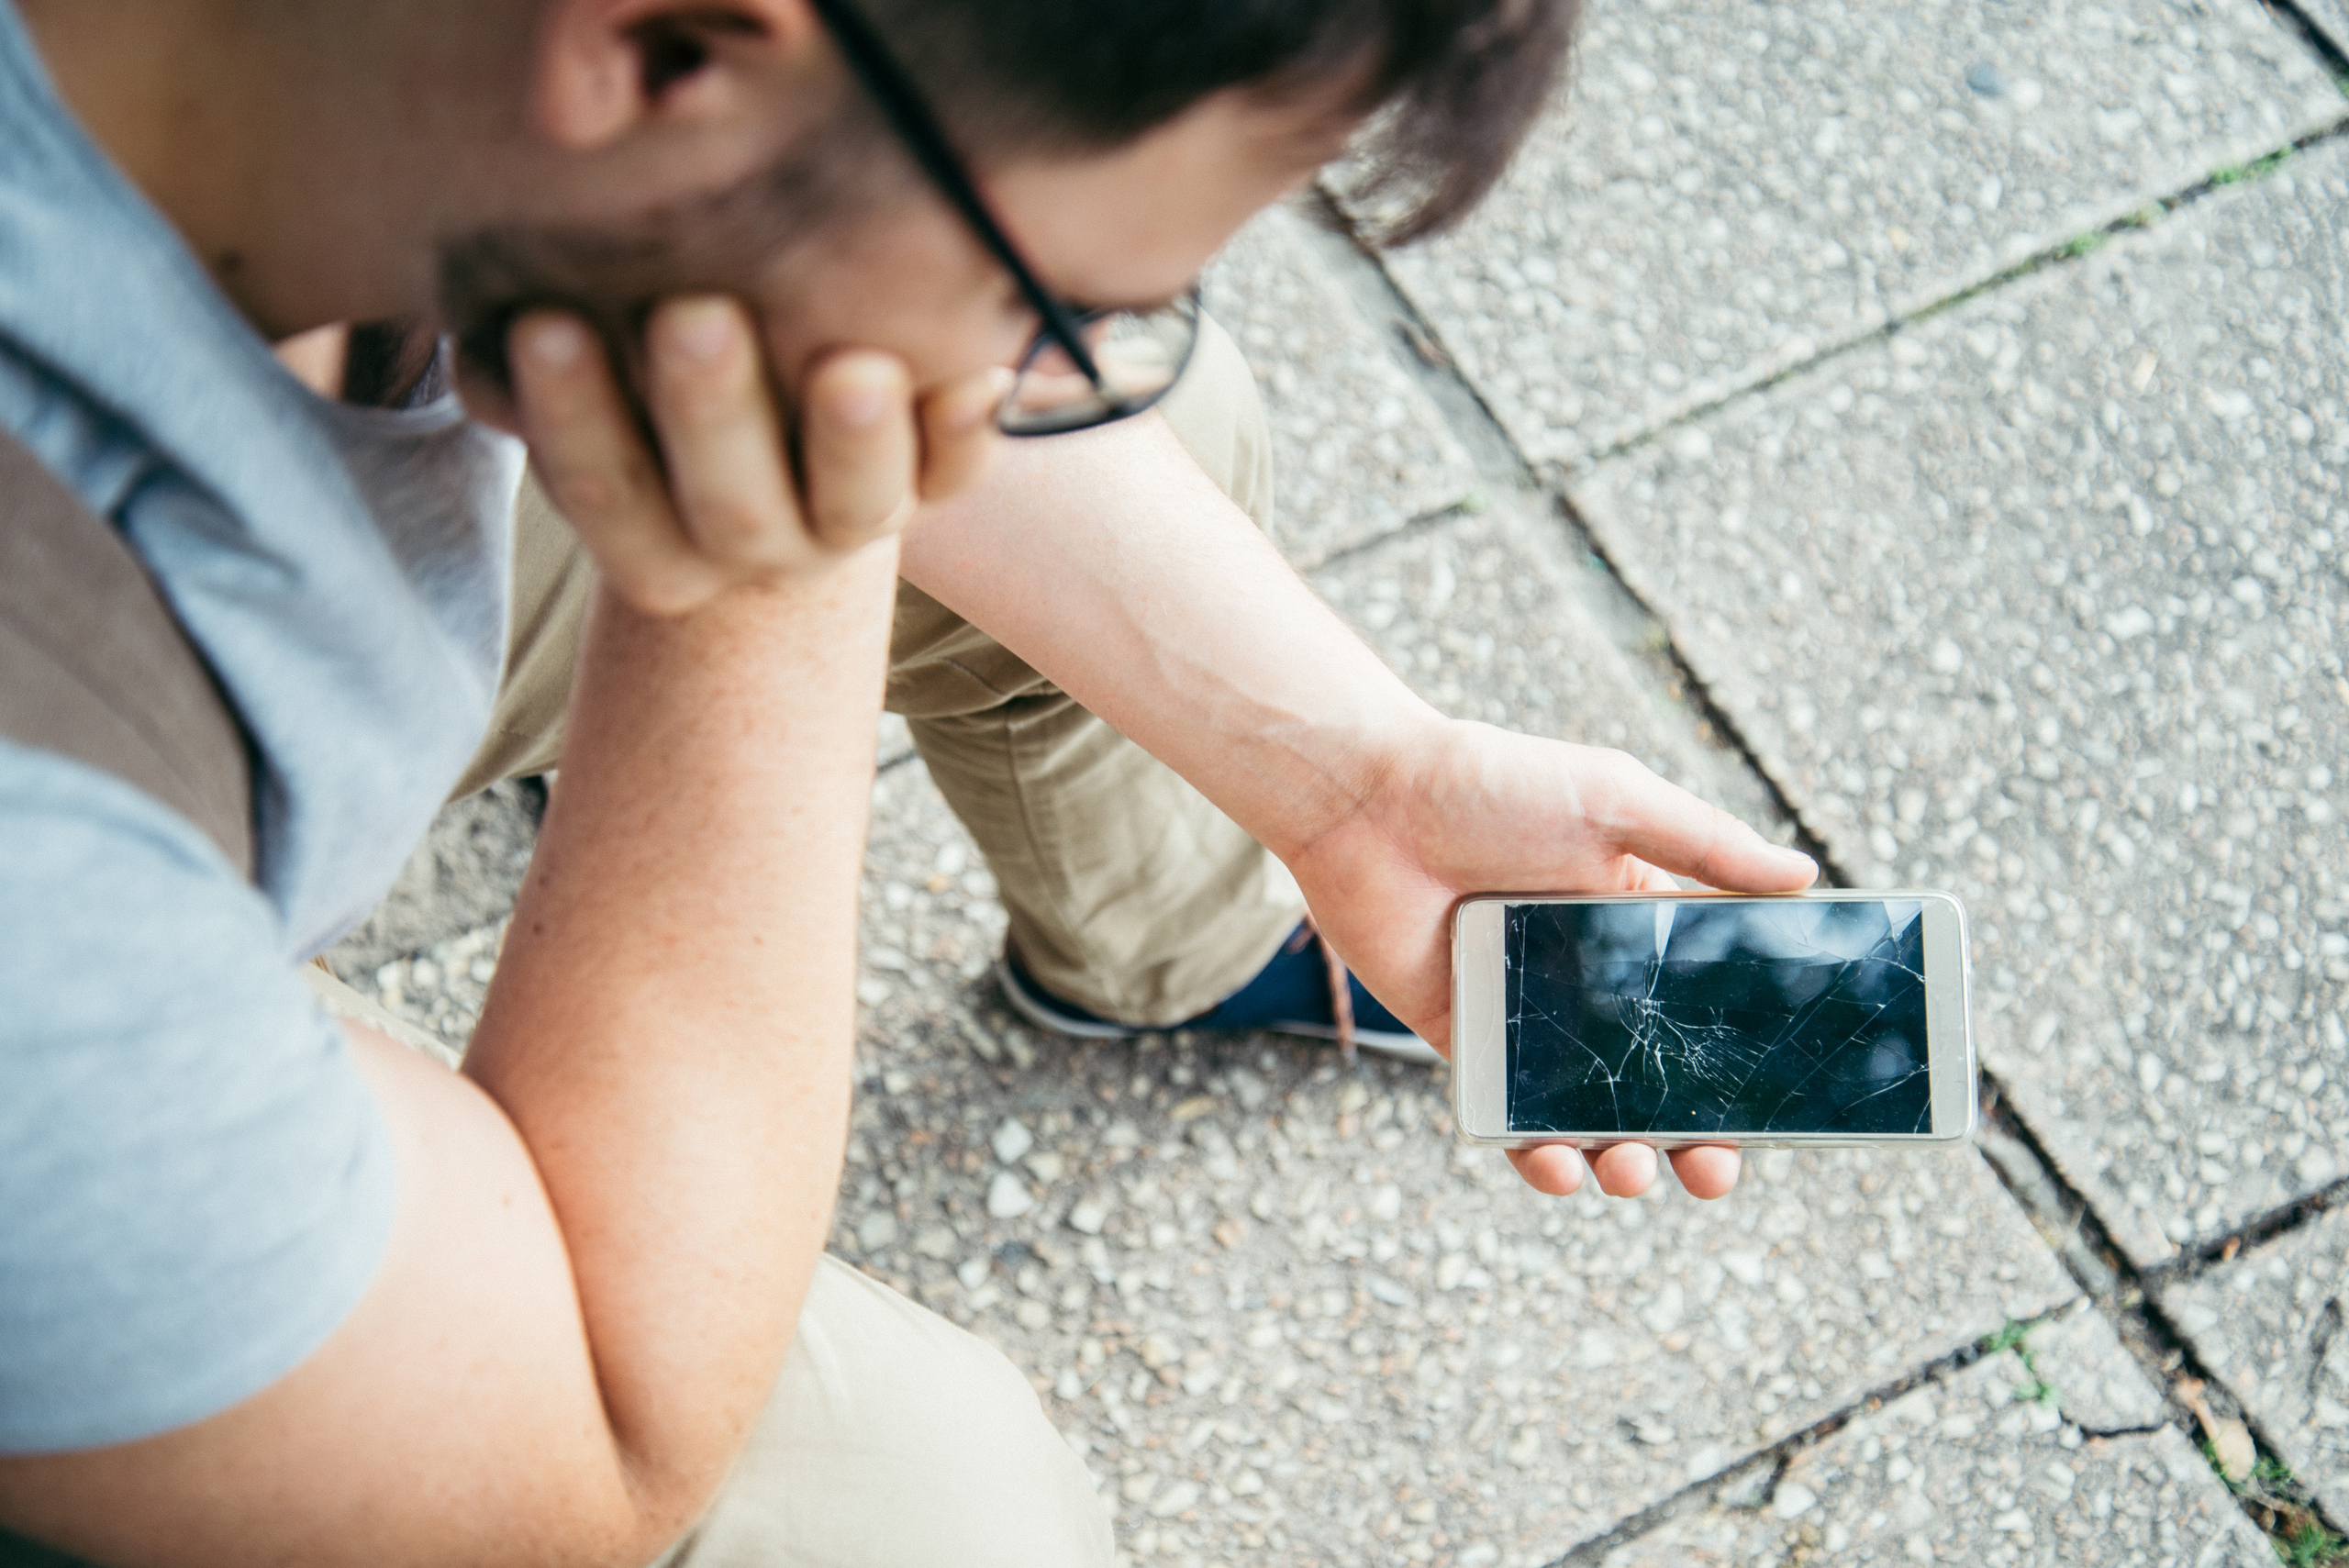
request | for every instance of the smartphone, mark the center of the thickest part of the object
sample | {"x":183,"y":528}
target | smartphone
{"x":1798,"y":1021}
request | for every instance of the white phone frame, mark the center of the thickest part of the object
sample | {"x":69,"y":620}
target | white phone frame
{"x":1480,"y":1054}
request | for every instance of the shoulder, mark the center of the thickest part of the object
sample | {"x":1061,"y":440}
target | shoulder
{"x":200,"y":1181}
{"x":90,"y":861}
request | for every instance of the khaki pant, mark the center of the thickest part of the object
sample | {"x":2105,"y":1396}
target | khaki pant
{"x":894,"y":1437}
{"x":895,"y":1440}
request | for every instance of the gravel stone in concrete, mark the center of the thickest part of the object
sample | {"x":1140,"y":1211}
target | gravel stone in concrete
{"x":1989,"y":1466}
{"x":1288,"y":1319}
{"x":2044,"y":600}
{"x":1729,"y":189}
{"x":1359,"y":450}
{"x":464,"y":875}
{"x":2268,"y":1323}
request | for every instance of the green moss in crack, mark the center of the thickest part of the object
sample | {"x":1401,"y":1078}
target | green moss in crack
{"x":2015,"y":1335}
{"x":2309,"y":1545}
{"x":2257,"y":169}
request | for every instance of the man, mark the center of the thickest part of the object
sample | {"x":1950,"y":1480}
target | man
{"x":272,"y":1290}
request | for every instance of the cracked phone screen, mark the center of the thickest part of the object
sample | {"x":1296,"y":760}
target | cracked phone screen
{"x":1679,"y":1017}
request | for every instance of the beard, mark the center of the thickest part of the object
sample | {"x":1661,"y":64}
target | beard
{"x":735,"y":241}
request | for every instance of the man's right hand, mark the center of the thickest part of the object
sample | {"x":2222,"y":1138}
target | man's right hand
{"x":718,"y":506}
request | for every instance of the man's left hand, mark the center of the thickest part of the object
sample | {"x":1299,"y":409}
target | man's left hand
{"x":1466,"y":808}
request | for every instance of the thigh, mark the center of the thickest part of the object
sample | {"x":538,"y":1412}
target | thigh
{"x":896,"y":1438}
{"x":552,"y":578}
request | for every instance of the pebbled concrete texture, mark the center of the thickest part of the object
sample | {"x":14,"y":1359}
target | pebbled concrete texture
{"x":1990,"y":1466}
{"x":1288,"y":1319}
{"x":1359,"y":448}
{"x":2042,"y":600}
{"x":1729,"y":189}
{"x":428,"y":950}
{"x":463,"y":876}
{"x":2268,"y":1323}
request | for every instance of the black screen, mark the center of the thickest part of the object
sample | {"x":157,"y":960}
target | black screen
{"x":1680,"y":1017}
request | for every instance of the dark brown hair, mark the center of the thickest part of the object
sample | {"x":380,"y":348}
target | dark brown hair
{"x":1452,"y":85}
{"x":1449,"y":88}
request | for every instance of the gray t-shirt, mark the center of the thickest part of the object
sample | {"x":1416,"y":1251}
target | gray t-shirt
{"x":196,"y":1186}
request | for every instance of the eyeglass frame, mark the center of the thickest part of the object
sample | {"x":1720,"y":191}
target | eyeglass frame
{"x":900,"y":103}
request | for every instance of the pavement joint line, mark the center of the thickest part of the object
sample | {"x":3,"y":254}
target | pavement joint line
{"x":2125,"y":1294}
{"x":1430,"y":521}
{"x":2070,"y":1226}
{"x":1780,"y":1455}
{"x":1505,"y":465}
{"x":2251,"y":1235}
{"x":1418,"y":347}
{"x":2072,"y":1229}
{"x":2294,"y":17}
{"x":2146,"y":216}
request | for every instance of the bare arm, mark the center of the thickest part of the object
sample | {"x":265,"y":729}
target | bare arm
{"x":1112,"y":564}
{"x":603,"y":1237}
{"x":606,"y":1228}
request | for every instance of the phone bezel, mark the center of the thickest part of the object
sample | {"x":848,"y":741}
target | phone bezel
{"x":1480,"y":1058}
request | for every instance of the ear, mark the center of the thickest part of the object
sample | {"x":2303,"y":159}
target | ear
{"x":602,"y":69}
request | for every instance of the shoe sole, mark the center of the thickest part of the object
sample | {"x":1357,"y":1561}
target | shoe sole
{"x":1037,"y":1011}
{"x":1385,"y":1043}
{"x":1028,"y":1005}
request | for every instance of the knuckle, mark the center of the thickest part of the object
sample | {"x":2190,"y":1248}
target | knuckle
{"x":582,"y":497}
{"x":703,"y":397}
{"x":739,"y":528}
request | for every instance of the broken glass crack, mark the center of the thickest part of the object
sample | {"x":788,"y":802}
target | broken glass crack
{"x":1676,"y":1017}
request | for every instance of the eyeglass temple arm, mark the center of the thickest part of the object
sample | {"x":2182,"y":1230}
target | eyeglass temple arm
{"x":927,"y":141}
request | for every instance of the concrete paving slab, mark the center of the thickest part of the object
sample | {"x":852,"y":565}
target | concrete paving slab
{"x":1288,"y":1320}
{"x":1728,"y":189}
{"x":1359,"y":450}
{"x":1992,"y":1466}
{"x":2042,"y":600}
{"x":2330,"y":18}
{"x":1493,"y":617}
{"x":2268,"y":1323}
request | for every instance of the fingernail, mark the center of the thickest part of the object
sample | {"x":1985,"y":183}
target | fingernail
{"x":700,"y":330}
{"x":555,"y":342}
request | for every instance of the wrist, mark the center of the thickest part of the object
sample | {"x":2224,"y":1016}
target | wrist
{"x":1363,"y":769}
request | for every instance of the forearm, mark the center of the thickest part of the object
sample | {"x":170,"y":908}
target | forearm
{"x":1114,"y":566}
{"x":671,"y":1026}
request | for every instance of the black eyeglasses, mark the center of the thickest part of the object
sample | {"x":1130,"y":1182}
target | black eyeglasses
{"x":1085,"y":368}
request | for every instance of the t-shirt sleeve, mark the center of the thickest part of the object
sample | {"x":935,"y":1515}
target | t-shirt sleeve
{"x":198,"y":1186}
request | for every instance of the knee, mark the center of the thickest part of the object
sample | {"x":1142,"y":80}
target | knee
{"x":895,"y":1437}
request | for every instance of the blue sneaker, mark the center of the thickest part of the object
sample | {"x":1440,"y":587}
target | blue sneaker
{"x":1295,"y":993}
